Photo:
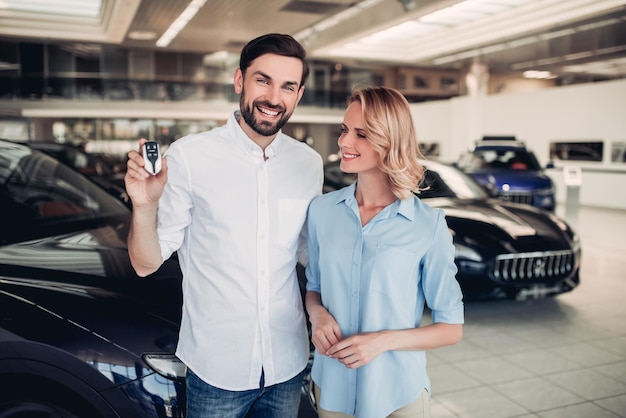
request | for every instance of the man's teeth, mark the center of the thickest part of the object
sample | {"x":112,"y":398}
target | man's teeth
{"x":268,"y":112}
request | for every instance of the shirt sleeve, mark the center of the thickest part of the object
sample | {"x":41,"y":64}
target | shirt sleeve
{"x":312,"y":270}
{"x":174,"y":212}
{"x":303,"y":251}
{"x":441,"y":289}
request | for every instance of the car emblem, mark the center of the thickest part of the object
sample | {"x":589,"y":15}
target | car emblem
{"x":539,"y":266}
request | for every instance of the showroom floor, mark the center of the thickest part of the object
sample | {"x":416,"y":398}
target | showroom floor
{"x":562,"y":357}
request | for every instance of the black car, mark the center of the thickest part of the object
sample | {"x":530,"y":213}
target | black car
{"x":80,"y":334}
{"x":503,"y":249}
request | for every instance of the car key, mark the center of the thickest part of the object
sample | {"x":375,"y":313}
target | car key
{"x":152,"y":157}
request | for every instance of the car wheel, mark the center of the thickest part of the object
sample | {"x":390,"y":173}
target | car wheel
{"x":33,"y":409}
{"x":40,"y":398}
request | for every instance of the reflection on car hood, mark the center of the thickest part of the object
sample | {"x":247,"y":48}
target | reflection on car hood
{"x":491,"y":217}
{"x":521,"y":180}
{"x":99,"y":252}
{"x":83,"y":282}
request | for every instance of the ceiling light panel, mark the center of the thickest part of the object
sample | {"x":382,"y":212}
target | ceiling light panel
{"x":448,"y":18}
{"x":78,"y":8}
{"x":180,"y":22}
{"x":466,"y":25}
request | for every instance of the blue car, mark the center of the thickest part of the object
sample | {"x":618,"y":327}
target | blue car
{"x":508,"y":170}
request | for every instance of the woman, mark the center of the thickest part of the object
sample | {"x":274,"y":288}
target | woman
{"x":377,"y":256}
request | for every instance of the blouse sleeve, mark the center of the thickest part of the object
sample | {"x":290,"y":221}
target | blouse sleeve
{"x":441,"y":289}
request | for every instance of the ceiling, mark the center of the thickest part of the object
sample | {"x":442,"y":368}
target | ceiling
{"x":569,"y":38}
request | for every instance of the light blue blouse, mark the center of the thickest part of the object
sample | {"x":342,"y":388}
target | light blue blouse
{"x":379,"y":277}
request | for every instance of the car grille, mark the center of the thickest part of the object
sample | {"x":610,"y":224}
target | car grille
{"x":526,"y":198}
{"x":535,"y":266}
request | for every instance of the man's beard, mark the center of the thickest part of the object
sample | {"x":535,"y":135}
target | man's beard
{"x":262,"y":127}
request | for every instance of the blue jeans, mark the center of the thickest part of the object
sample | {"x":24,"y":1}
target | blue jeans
{"x":278,"y":401}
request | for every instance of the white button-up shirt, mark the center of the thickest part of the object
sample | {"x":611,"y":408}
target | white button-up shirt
{"x":238,"y":224}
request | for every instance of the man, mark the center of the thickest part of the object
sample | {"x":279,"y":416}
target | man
{"x":233,"y":202}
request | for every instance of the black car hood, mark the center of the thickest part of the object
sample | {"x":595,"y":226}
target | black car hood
{"x":83,"y":283}
{"x":517,"y":228}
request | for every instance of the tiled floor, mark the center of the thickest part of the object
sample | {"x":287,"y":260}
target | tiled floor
{"x":562,"y":357}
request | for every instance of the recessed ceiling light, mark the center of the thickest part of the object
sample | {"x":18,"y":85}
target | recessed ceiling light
{"x":142,"y":35}
{"x":541,"y":75}
{"x":180,"y":22}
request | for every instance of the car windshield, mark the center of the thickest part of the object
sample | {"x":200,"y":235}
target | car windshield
{"x":505,"y":159}
{"x":445,"y":181}
{"x":40,"y":196}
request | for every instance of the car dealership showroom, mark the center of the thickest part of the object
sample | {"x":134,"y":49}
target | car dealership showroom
{"x":520,"y":113}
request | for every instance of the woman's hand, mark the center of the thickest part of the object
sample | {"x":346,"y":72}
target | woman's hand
{"x":325,"y":331}
{"x":359,"y":349}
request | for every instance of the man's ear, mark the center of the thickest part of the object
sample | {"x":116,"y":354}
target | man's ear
{"x":300,"y":94}
{"x":238,"y":79}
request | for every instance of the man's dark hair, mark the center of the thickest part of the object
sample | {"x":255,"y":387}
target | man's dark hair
{"x":274,"y":43}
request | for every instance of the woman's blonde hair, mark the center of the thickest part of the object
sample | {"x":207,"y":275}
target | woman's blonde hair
{"x":390,"y":130}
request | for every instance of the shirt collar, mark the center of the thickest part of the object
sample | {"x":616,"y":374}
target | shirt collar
{"x":404,"y":207}
{"x":247,"y":145}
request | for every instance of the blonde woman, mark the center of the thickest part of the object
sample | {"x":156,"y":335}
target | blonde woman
{"x":377,"y":256}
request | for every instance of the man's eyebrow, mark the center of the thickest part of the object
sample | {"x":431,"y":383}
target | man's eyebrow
{"x":267,"y":76}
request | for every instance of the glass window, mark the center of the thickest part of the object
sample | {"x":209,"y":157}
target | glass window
{"x":577,"y":150}
{"x":401,"y":81}
{"x":142,"y":65}
{"x":166,"y":64}
{"x":618,"y":152}
{"x":60,"y":60}
{"x":62,"y":87}
{"x":88,"y":62}
{"x":505,"y":159}
{"x":191,"y":64}
{"x":429,"y":149}
{"x":114,"y":62}
{"x":448,"y":83}
{"x":9,"y":53}
{"x":31,"y":58}
{"x":420,"y":82}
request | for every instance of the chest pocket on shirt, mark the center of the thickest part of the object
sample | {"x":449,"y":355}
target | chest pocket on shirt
{"x":394,"y":272}
{"x":291,"y":214}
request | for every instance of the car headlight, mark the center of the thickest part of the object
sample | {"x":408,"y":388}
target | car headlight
{"x":466,"y":253}
{"x":546,"y":192}
{"x":576,"y":243}
{"x":167,"y":365}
